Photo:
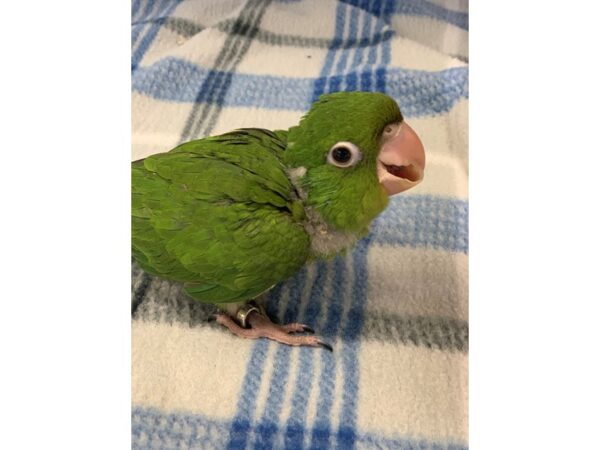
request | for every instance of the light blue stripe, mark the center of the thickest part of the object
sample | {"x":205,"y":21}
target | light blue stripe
{"x":135,"y":9}
{"x":352,"y":77}
{"x":423,"y":8}
{"x":423,"y":221}
{"x":319,"y":86}
{"x":145,"y":42}
{"x":241,"y":425}
{"x":146,"y":12}
{"x":346,"y":435}
{"x":140,"y":23}
{"x":321,"y":435}
{"x":375,"y":9}
{"x":295,"y":433}
{"x":345,"y":53}
{"x":268,"y":425}
{"x":427,"y":93}
{"x":144,"y":25}
{"x":136,"y":30}
{"x":152,"y":428}
{"x":296,"y":424}
{"x":387,"y":46}
{"x":419,"y":93}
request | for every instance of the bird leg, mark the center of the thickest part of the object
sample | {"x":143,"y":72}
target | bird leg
{"x":254,"y":324}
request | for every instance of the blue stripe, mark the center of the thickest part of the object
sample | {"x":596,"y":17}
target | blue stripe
{"x":345,"y":53}
{"x":419,"y":93}
{"x":319,"y":85}
{"x":269,"y":423}
{"x":322,"y":436}
{"x":148,"y":38}
{"x":351,"y":78}
{"x":423,"y":221}
{"x":135,"y":8}
{"x":422,"y":8}
{"x":136,"y":30}
{"x":346,"y":434}
{"x":425,"y":8}
{"x":296,"y":424}
{"x":152,"y":428}
{"x":380,"y":73}
{"x":322,"y":429}
{"x":145,"y":14}
{"x":139,"y":23}
{"x":241,"y":424}
{"x":294,"y":430}
{"x":374,"y":8}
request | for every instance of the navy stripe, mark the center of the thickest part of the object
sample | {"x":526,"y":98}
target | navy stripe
{"x":419,"y":93}
{"x":148,"y":38}
{"x":424,"y":221}
{"x":155,"y":429}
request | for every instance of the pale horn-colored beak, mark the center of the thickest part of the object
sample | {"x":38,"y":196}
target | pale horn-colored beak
{"x":401,"y":160}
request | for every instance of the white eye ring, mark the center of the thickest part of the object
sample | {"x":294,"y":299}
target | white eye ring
{"x":344,"y":154}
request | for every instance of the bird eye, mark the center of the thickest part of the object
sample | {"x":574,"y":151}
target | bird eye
{"x":344,"y":154}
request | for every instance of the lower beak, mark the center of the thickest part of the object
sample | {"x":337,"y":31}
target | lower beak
{"x":401,"y":160}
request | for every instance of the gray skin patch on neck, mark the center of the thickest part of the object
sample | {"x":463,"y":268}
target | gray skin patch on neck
{"x":324,"y":240}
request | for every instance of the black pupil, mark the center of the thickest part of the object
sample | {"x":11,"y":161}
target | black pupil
{"x":341,"y":154}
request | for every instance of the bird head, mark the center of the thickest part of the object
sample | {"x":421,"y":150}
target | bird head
{"x":349,"y":153}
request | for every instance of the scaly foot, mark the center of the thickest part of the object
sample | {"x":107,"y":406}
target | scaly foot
{"x":255,"y":325}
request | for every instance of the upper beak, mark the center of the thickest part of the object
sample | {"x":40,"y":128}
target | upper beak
{"x":401,"y":160}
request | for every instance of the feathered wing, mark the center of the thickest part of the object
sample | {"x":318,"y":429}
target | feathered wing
{"x":218,"y":215}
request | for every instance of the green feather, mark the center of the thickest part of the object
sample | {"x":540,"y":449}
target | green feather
{"x":222,"y":215}
{"x":218,"y":214}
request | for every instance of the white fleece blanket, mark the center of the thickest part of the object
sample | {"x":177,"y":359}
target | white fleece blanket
{"x":395,"y":308}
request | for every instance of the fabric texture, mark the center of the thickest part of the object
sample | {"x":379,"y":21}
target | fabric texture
{"x":395,"y":308}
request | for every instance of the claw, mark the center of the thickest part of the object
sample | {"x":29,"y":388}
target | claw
{"x":308,"y":329}
{"x":212,"y":318}
{"x":325,"y":345}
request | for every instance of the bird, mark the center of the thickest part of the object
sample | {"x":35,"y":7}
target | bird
{"x":231,"y":216}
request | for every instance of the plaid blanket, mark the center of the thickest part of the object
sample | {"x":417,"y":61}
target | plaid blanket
{"x":395,"y":308}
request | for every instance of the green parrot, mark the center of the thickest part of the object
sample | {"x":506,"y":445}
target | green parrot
{"x":230,"y":216}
